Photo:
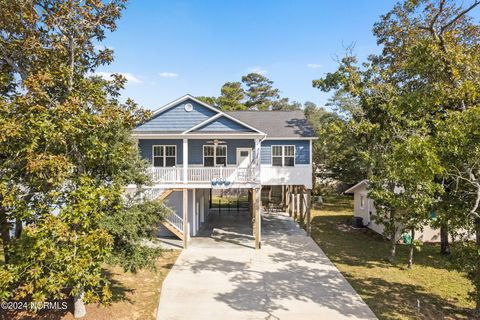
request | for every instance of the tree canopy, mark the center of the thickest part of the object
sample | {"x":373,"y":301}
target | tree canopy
{"x":254,"y":92}
{"x":66,"y":154}
{"x":411,"y":110}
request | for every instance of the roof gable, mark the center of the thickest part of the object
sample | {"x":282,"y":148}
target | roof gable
{"x":361,"y":184}
{"x":175,"y":118}
{"x":223,"y":124}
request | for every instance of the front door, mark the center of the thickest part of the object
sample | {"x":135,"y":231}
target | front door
{"x":244,"y":157}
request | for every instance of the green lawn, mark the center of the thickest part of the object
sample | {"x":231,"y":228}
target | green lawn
{"x":228,"y":200}
{"x":391,"y":291}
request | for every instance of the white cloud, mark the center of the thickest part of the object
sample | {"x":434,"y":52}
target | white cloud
{"x":314,"y":65}
{"x":108,"y":76}
{"x":131,"y":78}
{"x":102,"y":47}
{"x":258,"y":70}
{"x":168,"y":75}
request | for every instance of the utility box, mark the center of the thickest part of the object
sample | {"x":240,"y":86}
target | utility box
{"x":357,"y":222}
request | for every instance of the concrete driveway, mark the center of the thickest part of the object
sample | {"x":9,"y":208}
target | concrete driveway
{"x":222,"y":277}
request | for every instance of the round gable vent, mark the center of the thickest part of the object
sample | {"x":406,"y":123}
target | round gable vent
{"x":188,"y":107}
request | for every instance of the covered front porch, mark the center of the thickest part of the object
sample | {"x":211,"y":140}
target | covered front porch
{"x":202,"y":162}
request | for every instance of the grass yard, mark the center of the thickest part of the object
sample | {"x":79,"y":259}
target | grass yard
{"x":229,"y":201}
{"x":135,"y":296}
{"x":430,"y":290}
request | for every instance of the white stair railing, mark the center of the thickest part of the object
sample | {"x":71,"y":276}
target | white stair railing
{"x":152,"y":193}
{"x":174,"y":219}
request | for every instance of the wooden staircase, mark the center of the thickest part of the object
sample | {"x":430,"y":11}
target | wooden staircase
{"x":174,"y":224}
{"x":171,"y":221}
{"x":166,"y":194}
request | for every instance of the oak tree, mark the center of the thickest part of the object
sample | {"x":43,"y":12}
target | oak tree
{"x":65,"y":154}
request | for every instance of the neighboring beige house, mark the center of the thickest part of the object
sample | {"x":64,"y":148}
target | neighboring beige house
{"x":365,"y":208}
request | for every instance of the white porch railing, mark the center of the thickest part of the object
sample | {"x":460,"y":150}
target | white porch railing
{"x":203,"y":174}
{"x":166,"y":174}
{"x":232,"y":174}
{"x":208,"y":174}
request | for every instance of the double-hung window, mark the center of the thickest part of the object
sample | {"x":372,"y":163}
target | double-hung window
{"x":283,"y":156}
{"x":214,"y":156}
{"x":164,"y":156}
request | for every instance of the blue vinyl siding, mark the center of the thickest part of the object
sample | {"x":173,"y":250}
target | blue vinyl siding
{"x":302,"y":150}
{"x":223,"y":124}
{"x":195,"y":149}
{"x":177,"y":119}
{"x":145,"y":148}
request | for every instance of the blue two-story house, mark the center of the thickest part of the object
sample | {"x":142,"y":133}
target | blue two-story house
{"x":193,"y":147}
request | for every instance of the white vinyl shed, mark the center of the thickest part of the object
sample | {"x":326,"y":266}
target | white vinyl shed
{"x":364,"y":207}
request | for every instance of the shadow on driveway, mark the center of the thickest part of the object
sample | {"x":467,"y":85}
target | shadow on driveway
{"x":289,"y":278}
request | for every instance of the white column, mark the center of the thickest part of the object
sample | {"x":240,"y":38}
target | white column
{"x":185,"y":160}
{"x":257,"y":233}
{"x":257,"y":159}
{"x":194,"y":209}
{"x":312,"y":176}
{"x":185,"y":217}
{"x":259,"y":217}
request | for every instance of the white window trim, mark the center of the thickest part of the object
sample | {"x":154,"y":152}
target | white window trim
{"x":214,"y":154}
{"x":164,"y":154}
{"x":283,"y":154}
{"x":362,"y":197}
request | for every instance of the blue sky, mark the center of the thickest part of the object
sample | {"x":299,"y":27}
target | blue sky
{"x":170,"y":48}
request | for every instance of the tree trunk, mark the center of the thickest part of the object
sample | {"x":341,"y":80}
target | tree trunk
{"x":410,"y":254}
{"x":477,"y":298}
{"x":444,"y":245}
{"x":5,"y":232}
{"x":79,"y":310}
{"x":393,"y":240}
{"x":18,"y":228}
{"x":393,"y":248}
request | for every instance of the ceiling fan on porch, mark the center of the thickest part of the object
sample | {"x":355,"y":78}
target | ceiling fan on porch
{"x":216,"y":142}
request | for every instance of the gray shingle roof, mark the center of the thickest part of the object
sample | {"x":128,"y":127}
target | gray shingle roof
{"x":277,"y":124}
